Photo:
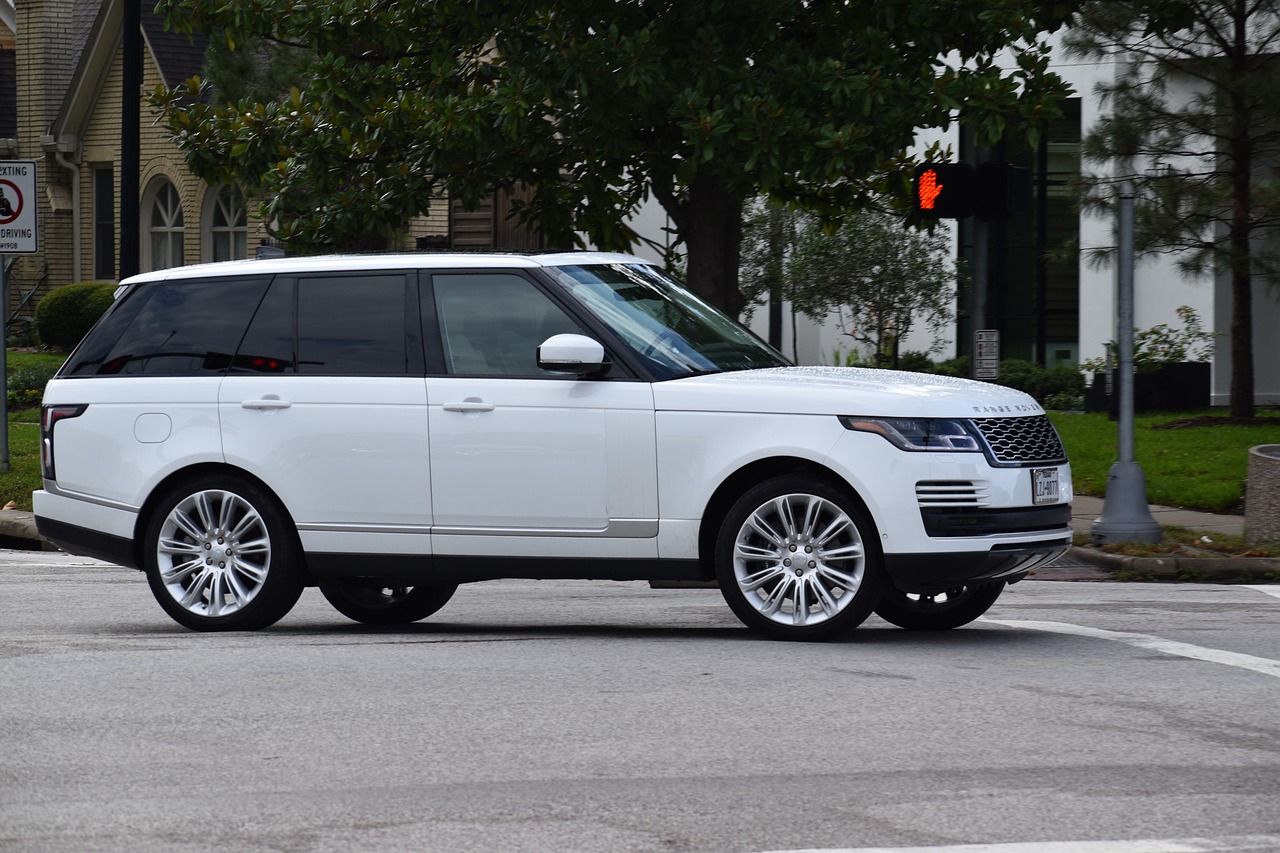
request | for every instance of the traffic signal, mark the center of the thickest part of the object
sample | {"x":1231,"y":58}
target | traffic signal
{"x":943,"y":190}
{"x":1004,"y":190}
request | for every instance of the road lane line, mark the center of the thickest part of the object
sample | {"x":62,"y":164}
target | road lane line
{"x":1268,"y":588}
{"x":1266,"y":666}
{"x":1238,"y":844}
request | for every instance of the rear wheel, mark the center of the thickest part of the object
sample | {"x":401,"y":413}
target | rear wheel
{"x":382,"y":603}
{"x":796,"y":559}
{"x":937,"y":611}
{"x":222,"y":555}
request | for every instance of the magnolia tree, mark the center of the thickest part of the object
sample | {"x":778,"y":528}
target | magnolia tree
{"x":595,"y":106}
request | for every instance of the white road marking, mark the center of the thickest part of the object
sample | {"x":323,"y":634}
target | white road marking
{"x":1266,"y":666}
{"x":1268,"y":588}
{"x":1146,"y":845}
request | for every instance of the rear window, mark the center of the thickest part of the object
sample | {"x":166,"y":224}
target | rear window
{"x":171,"y":328}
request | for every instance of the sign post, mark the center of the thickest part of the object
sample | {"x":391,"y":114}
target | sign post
{"x":18,"y":236}
{"x":986,"y":354}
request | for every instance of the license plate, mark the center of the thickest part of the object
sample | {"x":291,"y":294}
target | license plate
{"x":1044,"y":485}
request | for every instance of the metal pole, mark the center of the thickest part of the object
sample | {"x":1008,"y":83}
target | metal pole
{"x":130,"y":140}
{"x":1126,"y":517}
{"x":4,"y":368}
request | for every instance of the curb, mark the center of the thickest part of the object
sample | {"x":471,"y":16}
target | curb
{"x":1176,"y":568}
{"x":18,"y":531}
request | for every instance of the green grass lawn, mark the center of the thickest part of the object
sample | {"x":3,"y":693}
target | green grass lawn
{"x":1198,"y":467}
{"x":25,"y":369}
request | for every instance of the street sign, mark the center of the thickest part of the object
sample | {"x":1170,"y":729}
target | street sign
{"x":18,"y":232}
{"x":986,"y":354}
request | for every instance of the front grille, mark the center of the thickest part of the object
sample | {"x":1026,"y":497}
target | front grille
{"x":1022,"y":441}
{"x":932,"y":493}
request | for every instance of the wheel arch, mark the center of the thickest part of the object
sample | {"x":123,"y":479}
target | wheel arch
{"x":149,"y":505}
{"x":757,"y":472}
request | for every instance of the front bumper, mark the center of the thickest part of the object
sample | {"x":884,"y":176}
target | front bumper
{"x":1007,"y":562}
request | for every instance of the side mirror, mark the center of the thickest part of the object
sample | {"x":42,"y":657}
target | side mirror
{"x":574,"y":354}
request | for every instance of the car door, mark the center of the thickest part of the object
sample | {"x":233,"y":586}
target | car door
{"x":326,"y":403}
{"x":524,"y":462}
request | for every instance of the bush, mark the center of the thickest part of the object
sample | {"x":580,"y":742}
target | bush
{"x":1059,"y":387}
{"x":26,"y":385}
{"x":64,"y":315}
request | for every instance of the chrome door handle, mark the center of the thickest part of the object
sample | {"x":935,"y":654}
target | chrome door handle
{"x":266,"y":403}
{"x":468,"y":406}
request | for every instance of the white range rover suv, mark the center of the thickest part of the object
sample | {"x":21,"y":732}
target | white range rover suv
{"x":388,"y":427}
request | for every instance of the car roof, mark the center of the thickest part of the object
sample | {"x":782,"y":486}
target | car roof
{"x":388,"y":261}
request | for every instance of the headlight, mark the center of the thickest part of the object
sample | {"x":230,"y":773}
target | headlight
{"x":950,"y":436}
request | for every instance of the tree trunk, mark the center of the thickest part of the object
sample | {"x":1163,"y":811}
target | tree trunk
{"x":710,"y":222}
{"x":1241,"y":153}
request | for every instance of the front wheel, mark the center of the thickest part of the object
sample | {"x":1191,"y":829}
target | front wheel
{"x":380,"y":603}
{"x":797,"y":559}
{"x":222,"y":555}
{"x":938,"y":611}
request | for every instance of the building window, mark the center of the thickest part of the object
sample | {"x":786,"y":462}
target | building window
{"x":104,"y":223}
{"x":226,"y":236}
{"x":162,"y":214}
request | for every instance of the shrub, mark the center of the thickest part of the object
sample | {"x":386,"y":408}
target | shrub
{"x":26,"y":385}
{"x":64,"y":315}
{"x":1058,"y":387}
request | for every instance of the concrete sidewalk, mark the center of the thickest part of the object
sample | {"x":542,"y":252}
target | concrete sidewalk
{"x":1085,"y":511}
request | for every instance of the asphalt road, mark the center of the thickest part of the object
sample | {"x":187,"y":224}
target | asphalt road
{"x":580,"y":716}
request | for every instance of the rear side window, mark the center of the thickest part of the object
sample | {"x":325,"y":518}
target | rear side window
{"x":335,"y":326}
{"x":170,"y":328}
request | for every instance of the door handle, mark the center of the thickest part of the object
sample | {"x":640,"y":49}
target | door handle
{"x":269,"y":402}
{"x":468,"y":406}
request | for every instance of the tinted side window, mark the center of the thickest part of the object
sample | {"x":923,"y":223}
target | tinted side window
{"x":491,"y":324}
{"x":353,"y":325}
{"x":268,"y":344}
{"x":171,"y":328}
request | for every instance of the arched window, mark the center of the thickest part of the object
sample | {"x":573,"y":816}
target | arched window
{"x":226,"y":235}
{"x":162,"y":215}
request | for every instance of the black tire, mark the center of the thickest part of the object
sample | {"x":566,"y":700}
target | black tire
{"x":938,"y":612}
{"x":221,"y":554}
{"x":382,"y":603}
{"x":790,"y":539}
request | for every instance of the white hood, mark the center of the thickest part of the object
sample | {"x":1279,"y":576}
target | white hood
{"x":843,"y":391}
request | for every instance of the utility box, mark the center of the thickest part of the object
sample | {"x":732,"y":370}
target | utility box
{"x":1262,"y":495}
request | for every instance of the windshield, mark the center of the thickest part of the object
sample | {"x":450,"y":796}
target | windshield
{"x":674,"y":330}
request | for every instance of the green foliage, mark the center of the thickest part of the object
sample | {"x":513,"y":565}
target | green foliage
{"x":26,"y":385}
{"x":597,"y":105}
{"x":1057,"y":387}
{"x":1163,"y":344}
{"x":64,"y":315}
{"x":879,"y":277}
{"x":1061,"y":384}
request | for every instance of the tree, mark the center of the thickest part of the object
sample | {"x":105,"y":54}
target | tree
{"x":596,"y":105}
{"x":878,"y":277}
{"x":1193,"y":118}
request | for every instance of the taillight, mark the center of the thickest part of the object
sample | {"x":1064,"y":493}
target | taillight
{"x":49,"y":417}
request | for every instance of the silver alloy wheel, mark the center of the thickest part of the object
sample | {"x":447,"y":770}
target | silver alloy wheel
{"x":213,"y":553}
{"x":799,"y":559}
